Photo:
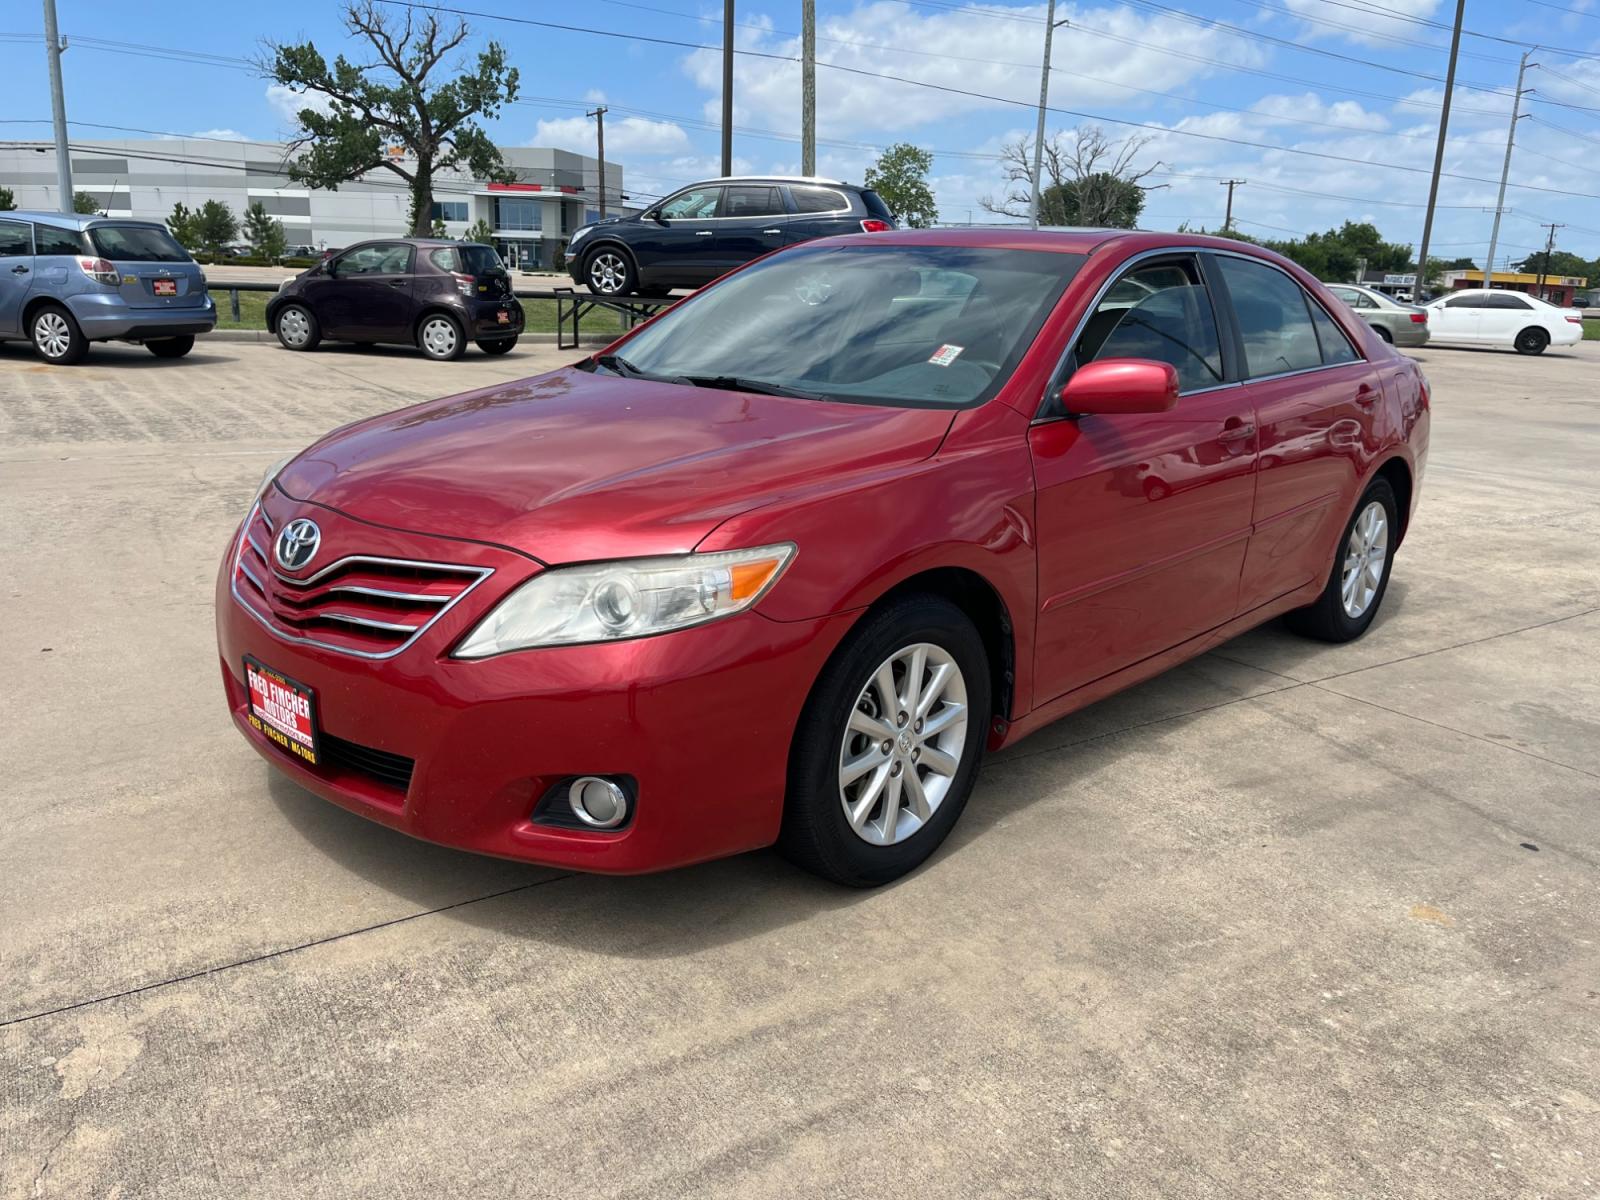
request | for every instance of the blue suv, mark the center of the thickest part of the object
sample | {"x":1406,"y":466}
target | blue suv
{"x":708,"y":229}
{"x":68,"y":280}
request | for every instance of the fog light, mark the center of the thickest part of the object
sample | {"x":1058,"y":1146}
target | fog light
{"x":598,"y":802}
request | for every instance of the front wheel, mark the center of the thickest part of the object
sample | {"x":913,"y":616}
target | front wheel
{"x":441,"y":338}
{"x":173,"y":347}
{"x":497,"y":346}
{"x":298,"y":328}
{"x":1532,"y":341}
{"x":1360,"y":575}
{"x":887,"y":748}
{"x":610,"y":272}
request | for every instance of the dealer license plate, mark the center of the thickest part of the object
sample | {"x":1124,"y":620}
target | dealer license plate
{"x":282,"y":709}
{"x":503,"y":317}
{"x":164,"y":287}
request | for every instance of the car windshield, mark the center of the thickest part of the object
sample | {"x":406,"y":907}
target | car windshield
{"x":872,"y":323}
{"x":136,"y":243}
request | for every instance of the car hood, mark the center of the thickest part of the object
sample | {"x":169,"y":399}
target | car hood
{"x":576,"y":466}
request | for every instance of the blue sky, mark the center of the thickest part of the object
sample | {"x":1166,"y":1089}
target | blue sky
{"x":1281,"y":93}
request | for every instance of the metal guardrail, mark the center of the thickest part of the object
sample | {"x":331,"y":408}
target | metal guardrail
{"x":571,"y":306}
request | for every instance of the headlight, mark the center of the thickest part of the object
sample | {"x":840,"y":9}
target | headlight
{"x":266,"y":480}
{"x":579,"y":235}
{"x":609,"y":602}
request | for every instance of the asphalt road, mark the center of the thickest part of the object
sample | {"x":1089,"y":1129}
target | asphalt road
{"x":1292,"y":920}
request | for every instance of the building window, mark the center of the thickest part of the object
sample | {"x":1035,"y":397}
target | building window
{"x":591,"y":215}
{"x":566,"y":217}
{"x":449,"y":210}
{"x":516,"y":213}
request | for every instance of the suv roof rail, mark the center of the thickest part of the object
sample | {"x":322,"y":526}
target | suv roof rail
{"x":778,"y":179}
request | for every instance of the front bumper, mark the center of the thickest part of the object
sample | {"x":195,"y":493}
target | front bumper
{"x":701,"y":719}
{"x":108,"y":317}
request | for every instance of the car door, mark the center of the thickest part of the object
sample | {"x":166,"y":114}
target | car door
{"x":752,"y":222}
{"x":1313,"y":396}
{"x":1504,"y":315}
{"x":674,"y":247}
{"x":1456,"y":318}
{"x":1143,"y":519}
{"x":367,"y":295}
{"x":16,"y":272}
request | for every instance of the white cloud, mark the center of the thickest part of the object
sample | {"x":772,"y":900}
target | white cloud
{"x":288,"y":103}
{"x":629,"y":135}
{"x":1372,"y":28}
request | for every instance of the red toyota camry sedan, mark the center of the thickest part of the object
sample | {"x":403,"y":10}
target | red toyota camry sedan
{"x":780,"y":565}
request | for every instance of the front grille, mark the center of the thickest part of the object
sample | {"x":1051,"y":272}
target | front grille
{"x":363,"y":605}
{"x":391,"y":770}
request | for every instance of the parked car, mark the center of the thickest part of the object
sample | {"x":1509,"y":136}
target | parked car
{"x":710,"y":228}
{"x":426,"y":292}
{"x":1396,"y":323}
{"x":1480,"y":317}
{"x":779,"y":565}
{"x":67,"y":280}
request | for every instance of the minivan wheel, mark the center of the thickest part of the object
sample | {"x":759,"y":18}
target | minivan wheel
{"x":1532,"y":340}
{"x":1360,"y":574}
{"x":610,"y":272}
{"x":497,"y":346}
{"x":298,"y":328}
{"x":440,"y":337}
{"x":887,"y":748}
{"x":56,"y":336}
{"x":172,"y":347}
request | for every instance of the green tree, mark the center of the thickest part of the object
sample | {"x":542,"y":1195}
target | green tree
{"x":900,"y":177}
{"x":83,"y":202}
{"x":184,"y":226}
{"x":439,"y":230}
{"x":8,"y":199}
{"x":479,"y":231}
{"x":392,"y":105}
{"x":1101,"y":200}
{"x":265,"y":234}
{"x":1558,"y":262}
{"x":215,"y":226}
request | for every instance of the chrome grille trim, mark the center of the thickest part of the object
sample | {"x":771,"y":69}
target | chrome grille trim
{"x":475,"y":576}
{"x":413,"y":597}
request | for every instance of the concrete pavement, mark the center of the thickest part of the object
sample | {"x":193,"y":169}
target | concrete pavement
{"x":1292,"y":920}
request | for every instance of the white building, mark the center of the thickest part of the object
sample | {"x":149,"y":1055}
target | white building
{"x":556,"y":191}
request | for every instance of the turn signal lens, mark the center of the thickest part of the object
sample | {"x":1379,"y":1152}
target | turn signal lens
{"x":630,"y":598}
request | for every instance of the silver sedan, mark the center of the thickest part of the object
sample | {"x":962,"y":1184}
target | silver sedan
{"x":1399,"y":324}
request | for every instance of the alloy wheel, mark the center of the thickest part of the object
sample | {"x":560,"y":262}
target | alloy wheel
{"x":607,"y":272}
{"x":903,"y":744}
{"x":52,"y":334}
{"x":294,"y":327}
{"x":1365,"y":555}
{"x":439,"y":337}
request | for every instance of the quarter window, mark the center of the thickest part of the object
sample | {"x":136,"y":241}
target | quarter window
{"x":50,"y":240}
{"x":14,"y":240}
{"x":1161,"y":312}
{"x":1274,"y":315}
{"x":694,"y":205}
{"x":751,"y":202}
{"x":818,"y":200}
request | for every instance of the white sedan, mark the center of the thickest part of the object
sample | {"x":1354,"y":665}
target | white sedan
{"x":1479,"y":317}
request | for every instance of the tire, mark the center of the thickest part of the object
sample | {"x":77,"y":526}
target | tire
{"x":172,"y":347}
{"x":298,"y":328}
{"x":841,"y":720}
{"x":609,"y":271}
{"x":439,"y":336}
{"x":1532,"y":340}
{"x":497,"y":346}
{"x":1329,"y":619}
{"x":1383,"y":333}
{"x":56,"y":336}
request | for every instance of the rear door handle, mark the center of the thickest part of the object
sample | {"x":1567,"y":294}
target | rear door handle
{"x":703,"y":232}
{"x":1236,"y":433}
{"x":772,"y":231}
{"x":19,"y":270}
{"x":398,"y":282}
{"x":1366,"y":394}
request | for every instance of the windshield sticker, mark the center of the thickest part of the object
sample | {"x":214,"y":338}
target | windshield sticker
{"x":945,"y":355}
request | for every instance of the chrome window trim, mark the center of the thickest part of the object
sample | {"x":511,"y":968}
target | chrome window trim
{"x":482,"y":573}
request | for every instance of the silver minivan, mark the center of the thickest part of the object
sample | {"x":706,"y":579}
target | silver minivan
{"x":68,"y":280}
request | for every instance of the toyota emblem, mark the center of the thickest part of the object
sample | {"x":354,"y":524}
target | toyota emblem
{"x":297,"y":544}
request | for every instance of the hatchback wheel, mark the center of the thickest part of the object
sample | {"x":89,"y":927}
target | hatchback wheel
{"x":497,"y":346}
{"x":888,"y":746}
{"x":298,"y":328}
{"x":173,"y":347}
{"x":56,"y":336}
{"x":610,"y":272}
{"x":441,"y":338}
{"x":1532,"y":340}
{"x":1360,"y":573}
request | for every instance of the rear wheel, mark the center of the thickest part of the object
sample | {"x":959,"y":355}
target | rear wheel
{"x":173,"y":347}
{"x":1360,"y":574}
{"x":887,"y":748}
{"x":497,"y":346}
{"x":1383,"y":333}
{"x":440,"y":337}
{"x":610,"y":272}
{"x":56,"y":336}
{"x":298,"y":328}
{"x":1532,"y":340}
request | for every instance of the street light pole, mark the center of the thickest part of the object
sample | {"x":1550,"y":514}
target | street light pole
{"x":1505,"y":169}
{"x":1419,"y":289}
{"x":1044,"y":100}
{"x":58,"y":106}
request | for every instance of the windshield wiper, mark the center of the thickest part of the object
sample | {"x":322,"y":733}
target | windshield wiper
{"x":740,"y":383}
{"x":615,"y":362}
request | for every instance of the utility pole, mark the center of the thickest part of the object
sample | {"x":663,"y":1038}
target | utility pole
{"x":1044,"y":101}
{"x":727,"y":87}
{"x":58,"y":106}
{"x":599,"y":115}
{"x":808,"y":87}
{"x":1544,"y":267}
{"x":1419,"y":290}
{"x":1230,"y":184}
{"x":1505,"y":170}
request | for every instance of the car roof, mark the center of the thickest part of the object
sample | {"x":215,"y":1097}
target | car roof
{"x":774,"y":179}
{"x":78,"y":221}
{"x":1068,"y":240}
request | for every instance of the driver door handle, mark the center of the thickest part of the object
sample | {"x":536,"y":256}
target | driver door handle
{"x":703,"y":233}
{"x":772,"y":231}
{"x":1236,"y":430}
{"x":19,"y":270}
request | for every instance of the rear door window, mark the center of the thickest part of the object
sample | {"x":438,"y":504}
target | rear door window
{"x":1159,"y":311}
{"x":1507,"y":300}
{"x":746,"y":201}
{"x":1274,"y":315}
{"x":136,"y":243}
{"x":1336,"y":348}
{"x":15,"y":241}
{"x":47,"y":239}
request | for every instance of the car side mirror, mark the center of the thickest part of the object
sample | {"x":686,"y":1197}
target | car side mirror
{"x":655,"y":215}
{"x":1121,"y":385}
